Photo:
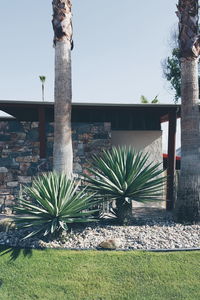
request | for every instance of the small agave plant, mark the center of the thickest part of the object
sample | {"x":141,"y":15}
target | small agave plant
{"x":55,"y":202}
{"x":123,"y":175}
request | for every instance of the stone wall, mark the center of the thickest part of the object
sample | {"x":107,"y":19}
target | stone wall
{"x":19,"y":152}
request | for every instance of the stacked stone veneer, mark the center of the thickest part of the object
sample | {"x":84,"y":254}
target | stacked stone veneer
{"x":20,"y":157}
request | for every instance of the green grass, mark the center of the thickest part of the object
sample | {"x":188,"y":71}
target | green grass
{"x":91,"y":275}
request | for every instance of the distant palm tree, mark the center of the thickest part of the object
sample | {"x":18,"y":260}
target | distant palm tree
{"x":188,"y":202}
{"x":155,"y":100}
{"x":62,"y":25}
{"x":42,"y":79}
{"x":144,"y":100}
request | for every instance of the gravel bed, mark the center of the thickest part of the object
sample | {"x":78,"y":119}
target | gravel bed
{"x":152,"y":235}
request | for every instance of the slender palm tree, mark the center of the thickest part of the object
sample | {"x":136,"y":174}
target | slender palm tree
{"x":62,"y":25}
{"x":42,"y":79}
{"x":188,"y":202}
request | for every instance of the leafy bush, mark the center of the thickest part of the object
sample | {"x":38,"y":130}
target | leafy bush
{"x":122,"y":174}
{"x":55,"y":202}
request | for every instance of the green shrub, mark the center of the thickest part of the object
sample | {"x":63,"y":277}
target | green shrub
{"x":55,"y":202}
{"x":122,"y":174}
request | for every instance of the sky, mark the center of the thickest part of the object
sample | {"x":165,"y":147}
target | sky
{"x":119,"y":46}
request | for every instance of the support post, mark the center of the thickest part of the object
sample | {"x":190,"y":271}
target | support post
{"x":42,"y":132}
{"x":171,"y":166}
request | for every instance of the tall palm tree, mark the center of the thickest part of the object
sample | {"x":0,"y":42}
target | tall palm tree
{"x":188,"y":202}
{"x":62,"y":25}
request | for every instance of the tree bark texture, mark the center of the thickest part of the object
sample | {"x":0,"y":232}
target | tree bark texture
{"x":188,"y":28}
{"x":62,"y":25}
{"x":187,"y":207}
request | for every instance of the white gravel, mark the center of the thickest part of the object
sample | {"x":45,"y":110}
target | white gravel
{"x":158,"y":235}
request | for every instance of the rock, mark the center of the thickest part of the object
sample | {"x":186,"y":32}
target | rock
{"x":26,"y":159}
{"x":7,"y":224}
{"x":12,"y":184}
{"x":34,"y":124}
{"x":3,"y":170}
{"x":35,"y":158}
{"x":24,"y":179}
{"x":33,"y":134}
{"x":24,"y":167}
{"x":77,"y":168}
{"x":7,"y":211}
{"x":162,"y":235}
{"x":108,"y":245}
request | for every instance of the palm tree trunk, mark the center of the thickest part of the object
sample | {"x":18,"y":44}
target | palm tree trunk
{"x":187,"y":208}
{"x":123,"y":211}
{"x":188,"y":204}
{"x":62,"y":150}
{"x":42,"y":91}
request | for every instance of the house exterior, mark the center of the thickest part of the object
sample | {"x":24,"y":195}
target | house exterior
{"x":26,"y":139}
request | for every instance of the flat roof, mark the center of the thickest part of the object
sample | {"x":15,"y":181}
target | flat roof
{"x":93,"y":111}
{"x":103,"y":104}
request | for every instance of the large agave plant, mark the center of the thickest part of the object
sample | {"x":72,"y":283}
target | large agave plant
{"x":122,"y":174}
{"x":54,"y":203}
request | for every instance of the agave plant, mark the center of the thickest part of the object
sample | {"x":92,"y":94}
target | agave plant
{"x":55,"y":202}
{"x":123,"y":175}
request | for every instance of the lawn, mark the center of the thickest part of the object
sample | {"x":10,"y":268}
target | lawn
{"x":91,"y":275}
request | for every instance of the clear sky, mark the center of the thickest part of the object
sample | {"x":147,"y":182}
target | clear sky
{"x":118,"y":50}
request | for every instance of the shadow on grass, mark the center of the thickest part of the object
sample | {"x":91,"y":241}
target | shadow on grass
{"x":15,"y":252}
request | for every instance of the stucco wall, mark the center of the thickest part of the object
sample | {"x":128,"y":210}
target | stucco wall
{"x":148,"y":141}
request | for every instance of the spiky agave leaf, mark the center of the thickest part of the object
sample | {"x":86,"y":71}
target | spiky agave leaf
{"x":56,"y":202}
{"x":123,"y":173}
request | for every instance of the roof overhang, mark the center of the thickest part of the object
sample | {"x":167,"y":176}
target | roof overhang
{"x":28,"y":110}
